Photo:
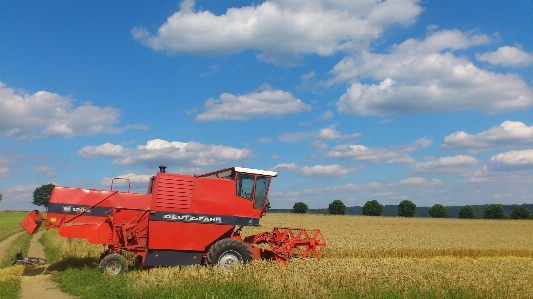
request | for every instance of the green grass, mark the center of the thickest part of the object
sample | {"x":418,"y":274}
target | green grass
{"x":51,"y":249}
{"x":22,"y":242}
{"x":9,"y":222}
{"x":91,"y":284}
{"x":10,"y":288}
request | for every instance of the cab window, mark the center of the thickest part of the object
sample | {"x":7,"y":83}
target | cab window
{"x":261,"y":188}
{"x":245,"y":185}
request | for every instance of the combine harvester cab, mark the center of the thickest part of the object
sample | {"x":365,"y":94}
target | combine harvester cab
{"x":181,"y":220}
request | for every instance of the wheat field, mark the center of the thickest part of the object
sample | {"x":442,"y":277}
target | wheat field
{"x":368,"y":257}
{"x":382,"y":237}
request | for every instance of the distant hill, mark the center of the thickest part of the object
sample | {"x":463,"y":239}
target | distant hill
{"x":392,"y":210}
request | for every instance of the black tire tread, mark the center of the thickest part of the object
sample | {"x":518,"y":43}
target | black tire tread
{"x":112,"y":257}
{"x":222,"y":246}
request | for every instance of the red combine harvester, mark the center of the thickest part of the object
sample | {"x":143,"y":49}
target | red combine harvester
{"x":181,"y":220}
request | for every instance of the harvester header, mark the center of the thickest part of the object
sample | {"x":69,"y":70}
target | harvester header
{"x":181,"y":220}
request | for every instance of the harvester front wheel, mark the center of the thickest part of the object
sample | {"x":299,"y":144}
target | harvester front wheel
{"x":228,"y":252}
{"x":113,"y":264}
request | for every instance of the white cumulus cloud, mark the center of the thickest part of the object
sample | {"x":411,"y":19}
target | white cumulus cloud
{"x":507,"y":56}
{"x":330,"y":133}
{"x":265,"y":103}
{"x":281,"y":30}
{"x":45,"y":171}
{"x":456,"y":164}
{"x":507,"y":134}
{"x":395,"y":154}
{"x":418,"y":181}
{"x":317,"y":171}
{"x":513,"y":160}
{"x":175,"y":153}
{"x":321,"y":137}
{"x":44,"y":113}
{"x":426,"y":76}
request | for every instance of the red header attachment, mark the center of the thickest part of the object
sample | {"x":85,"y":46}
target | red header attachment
{"x":32,"y":222}
{"x":286,"y":242}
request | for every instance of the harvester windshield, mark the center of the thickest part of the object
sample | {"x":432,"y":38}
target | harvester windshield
{"x":253,"y":188}
{"x":252,"y":184}
{"x":261,"y":188}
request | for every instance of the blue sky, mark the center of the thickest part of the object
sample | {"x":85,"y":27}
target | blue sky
{"x":354,"y":100}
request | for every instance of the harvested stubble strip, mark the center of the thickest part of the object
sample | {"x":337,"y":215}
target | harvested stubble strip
{"x":11,"y":272}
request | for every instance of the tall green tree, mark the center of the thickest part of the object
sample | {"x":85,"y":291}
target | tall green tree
{"x":41,"y":195}
{"x":438,"y":211}
{"x":337,"y":207}
{"x":299,"y":208}
{"x":1,"y":196}
{"x":493,"y":212}
{"x":467,"y":212}
{"x":372,"y":208}
{"x":406,"y":208}
{"x":521,"y":213}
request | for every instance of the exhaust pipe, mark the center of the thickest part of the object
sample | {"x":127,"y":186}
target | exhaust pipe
{"x":162,"y":168}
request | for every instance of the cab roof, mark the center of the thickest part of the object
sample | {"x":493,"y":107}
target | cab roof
{"x":224,"y":172}
{"x":255,"y":171}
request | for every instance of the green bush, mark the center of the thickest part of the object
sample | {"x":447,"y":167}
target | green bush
{"x":300,"y":208}
{"x":406,"y":208}
{"x":372,"y":208}
{"x":337,"y":207}
{"x":467,"y":212}
{"x":494,"y":211}
{"x":438,"y":211}
{"x":520,"y":213}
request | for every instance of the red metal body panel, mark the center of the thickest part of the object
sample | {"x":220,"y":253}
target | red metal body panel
{"x":92,"y":214}
{"x":185,"y":236}
{"x":217,"y":196}
{"x":95,"y":233}
{"x":173,"y":192}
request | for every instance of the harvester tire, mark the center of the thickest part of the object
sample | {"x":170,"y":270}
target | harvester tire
{"x":113,"y":264}
{"x":228,"y":253}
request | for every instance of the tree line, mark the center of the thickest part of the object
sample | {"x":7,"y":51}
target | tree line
{"x":407,"y":208}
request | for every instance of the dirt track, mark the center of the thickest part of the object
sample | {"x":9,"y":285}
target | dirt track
{"x":4,"y":245}
{"x":36,"y":283}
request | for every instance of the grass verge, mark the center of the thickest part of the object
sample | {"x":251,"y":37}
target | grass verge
{"x":10,"y":276}
{"x":51,"y":245}
{"x":10,"y":281}
{"x":9,"y":222}
{"x":22,"y":242}
{"x":91,"y":284}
